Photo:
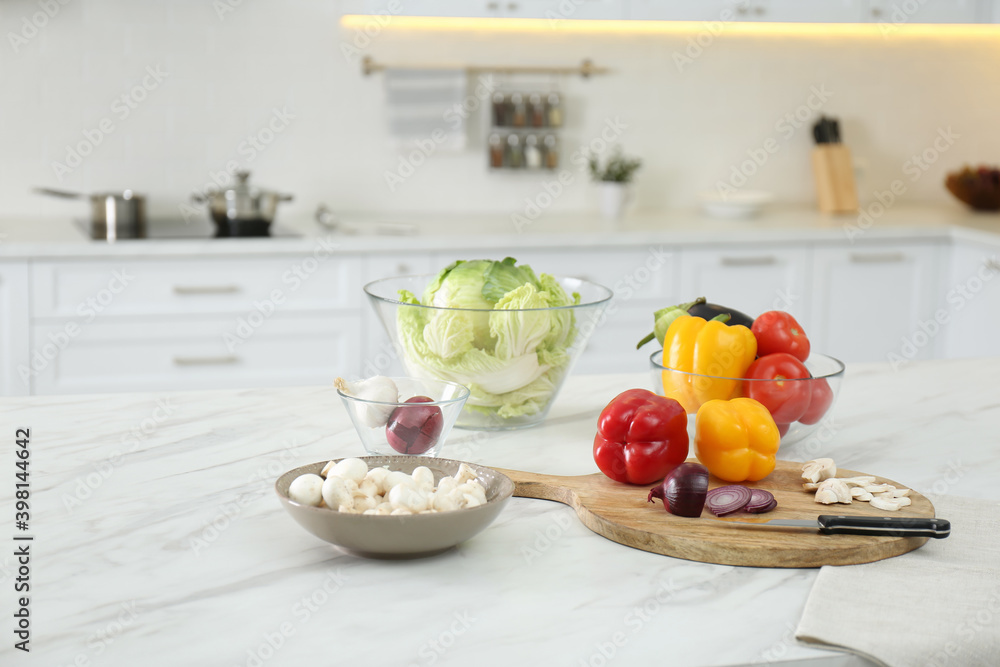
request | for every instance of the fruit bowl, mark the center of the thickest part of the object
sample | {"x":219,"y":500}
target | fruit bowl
{"x":410,"y":536}
{"x":514,"y":360}
{"x":693,"y":389}
{"x":978,"y":188}
{"x":417,"y":424}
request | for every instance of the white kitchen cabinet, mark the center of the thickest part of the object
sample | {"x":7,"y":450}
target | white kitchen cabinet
{"x":680,"y":10}
{"x":890,"y":12}
{"x":972,"y":301}
{"x":803,"y":11}
{"x":751,"y":280}
{"x":201,"y":352}
{"x":873,"y":301}
{"x":14,"y":329}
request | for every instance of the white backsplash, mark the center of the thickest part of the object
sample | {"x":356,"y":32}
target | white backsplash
{"x":202,"y":82}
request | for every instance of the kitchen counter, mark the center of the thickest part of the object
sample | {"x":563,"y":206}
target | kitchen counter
{"x":53,"y":238}
{"x":159,"y":541}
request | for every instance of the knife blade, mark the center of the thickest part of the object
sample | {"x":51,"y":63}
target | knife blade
{"x":839,"y":524}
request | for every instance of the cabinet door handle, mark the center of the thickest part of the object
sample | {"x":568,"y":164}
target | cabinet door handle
{"x":189,"y":290}
{"x":764,"y":260}
{"x":877,"y":257}
{"x":206,"y":361}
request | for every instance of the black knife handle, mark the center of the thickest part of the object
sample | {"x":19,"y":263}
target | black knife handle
{"x":883,"y":525}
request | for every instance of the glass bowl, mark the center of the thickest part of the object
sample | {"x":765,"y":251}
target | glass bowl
{"x":514,"y":361}
{"x":413,"y":428}
{"x":692,"y":390}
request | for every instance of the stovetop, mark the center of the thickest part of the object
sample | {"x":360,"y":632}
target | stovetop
{"x":195,"y":229}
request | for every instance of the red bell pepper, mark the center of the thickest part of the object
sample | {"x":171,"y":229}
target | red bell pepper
{"x":640,"y":437}
{"x":777,"y":331}
{"x":777,"y":381}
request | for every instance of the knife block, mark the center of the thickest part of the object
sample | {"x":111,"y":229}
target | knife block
{"x":836,"y":191}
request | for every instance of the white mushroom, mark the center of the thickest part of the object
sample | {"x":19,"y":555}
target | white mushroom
{"x":879,"y":488}
{"x":471,"y":500}
{"x":818,"y":469}
{"x":900,"y":493}
{"x":465,"y":473}
{"x":396,"y":478}
{"x":810,"y":486}
{"x":446,"y":502}
{"x":860,"y":494}
{"x":335,"y":493}
{"x":353,"y":469}
{"x":423,"y":478}
{"x":861,"y":480}
{"x":400,"y":512}
{"x":377,"y":476}
{"x":367,"y":488}
{"x":475,"y":489}
{"x":447,"y":485}
{"x":364,"y":503}
{"x":407,"y":497}
{"x":306,"y":489}
{"x":886,"y":504}
{"x":385,"y":509}
{"x":832,"y":490}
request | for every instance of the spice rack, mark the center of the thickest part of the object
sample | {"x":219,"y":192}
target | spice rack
{"x":524,"y":131}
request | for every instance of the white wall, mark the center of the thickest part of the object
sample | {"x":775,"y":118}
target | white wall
{"x":225,"y":74}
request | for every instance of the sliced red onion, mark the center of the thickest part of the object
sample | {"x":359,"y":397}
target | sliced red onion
{"x":760,"y":501}
{"x":727,"y":499}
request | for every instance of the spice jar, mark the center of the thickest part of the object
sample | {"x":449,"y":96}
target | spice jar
{"x":555,"y":114}
{"x":515,"y":153}
{"x":551,"y":152}
{"x":519,"y":111}
{"x":536,"y":110}
{"x":496,"y":152}
{"x":499,"y":109}
{"x":532,"y":152}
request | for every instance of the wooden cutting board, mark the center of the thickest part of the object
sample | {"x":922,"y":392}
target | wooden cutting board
{"x":621,"y":513}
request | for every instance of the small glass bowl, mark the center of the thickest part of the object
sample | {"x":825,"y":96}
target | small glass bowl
{"x":690,"y":388}
{"x":415,"y":429}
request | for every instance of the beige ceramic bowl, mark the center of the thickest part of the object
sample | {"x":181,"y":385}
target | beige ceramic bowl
{"x":400,"y":536}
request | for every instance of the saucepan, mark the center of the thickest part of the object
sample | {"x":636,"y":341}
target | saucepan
{"x":113,"y":215}
{"x":244,"y":209}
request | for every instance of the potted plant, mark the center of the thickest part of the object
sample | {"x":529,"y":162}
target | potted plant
{"x":614,"y":179}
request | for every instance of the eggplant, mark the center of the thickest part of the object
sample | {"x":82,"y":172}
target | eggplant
{"x":709,"y":310}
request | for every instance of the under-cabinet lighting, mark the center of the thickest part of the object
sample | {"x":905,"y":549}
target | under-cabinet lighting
{"x":569,"y":26}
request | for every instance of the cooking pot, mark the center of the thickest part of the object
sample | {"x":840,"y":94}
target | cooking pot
{"x":113,"y":215}
{"x":244,"y":209}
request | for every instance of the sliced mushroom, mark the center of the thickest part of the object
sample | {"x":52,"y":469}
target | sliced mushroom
{"x":810,"y":486}
{"x":819,"y":469}
{"x":861,"y":480}
{"x":879,"y":488}
{"x":860,"y":494}
{"x":901,"y":493}
{"x":885,"y":504}
{"x":832,"y":490}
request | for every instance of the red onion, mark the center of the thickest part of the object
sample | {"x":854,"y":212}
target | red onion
{"x":727,"y":499}
{"x":683,"y":490}
{"x":414,"y":430}
{"x":760,"y":501}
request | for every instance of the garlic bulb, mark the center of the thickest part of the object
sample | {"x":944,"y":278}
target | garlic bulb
{"x":379,"y":389}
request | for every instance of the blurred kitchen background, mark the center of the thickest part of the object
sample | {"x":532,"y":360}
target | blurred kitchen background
{"x":378,"y":118}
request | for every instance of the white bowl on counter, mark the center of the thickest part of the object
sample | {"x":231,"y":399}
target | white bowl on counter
{"x":739,"y":204}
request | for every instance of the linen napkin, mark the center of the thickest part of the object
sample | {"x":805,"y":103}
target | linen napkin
{"x":936,"y":606}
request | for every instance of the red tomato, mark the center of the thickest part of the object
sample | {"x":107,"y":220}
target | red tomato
{"x":777,"y":331}
{"x":821,"y":397}
{"x":787,"y":395}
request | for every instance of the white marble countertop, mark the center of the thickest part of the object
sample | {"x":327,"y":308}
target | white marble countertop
{"x":159,"y":540}
{"x":367,"y":232}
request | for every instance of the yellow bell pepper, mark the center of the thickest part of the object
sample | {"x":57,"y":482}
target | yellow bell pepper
{"x":736,"y":440}
{"x":711,"y":348}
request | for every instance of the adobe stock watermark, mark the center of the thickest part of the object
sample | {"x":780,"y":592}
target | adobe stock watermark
{"x":259,"y":482}
{"x":546,"y":537}
{"x":552,"y":189}
{"x":86,"y":485}
{"x":88,"y":309}
{"x":698,"y":43}
{"x":32,"y":25}
{"x":363,"y":38}
{"x":434,"y":649}
{"x":626,"y":287}
{"x":248,"y":150}
{"x":786,"y":126}
{"x":303,"y":610}
{"x":914,"y":168}
{"x":424,"y":148}
{"x":121,"y":108}
{"x":296,"y":276}
{"x":957,"y":298}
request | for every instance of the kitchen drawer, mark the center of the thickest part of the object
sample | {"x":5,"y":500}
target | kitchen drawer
{"x":89,"y":289}
{"x":194,"y":353}
{"x":752,"y":280}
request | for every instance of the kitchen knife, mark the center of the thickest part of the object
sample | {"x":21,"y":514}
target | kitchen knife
{"x":838,"y":524}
